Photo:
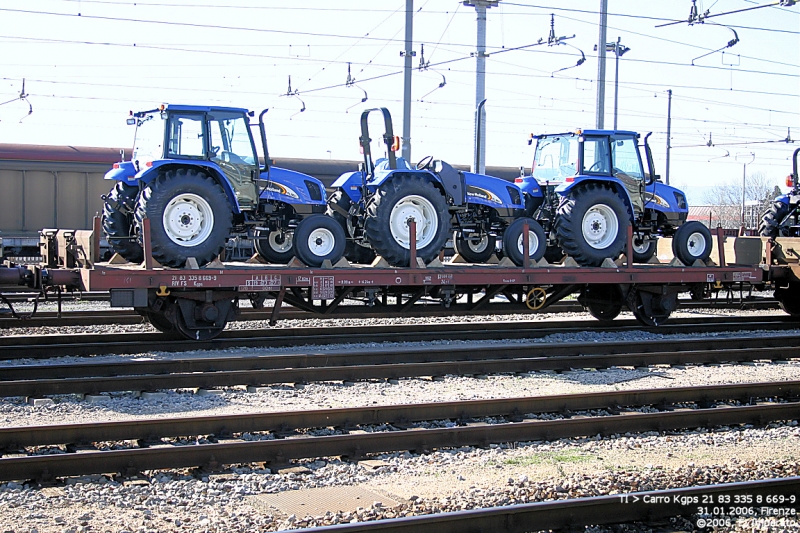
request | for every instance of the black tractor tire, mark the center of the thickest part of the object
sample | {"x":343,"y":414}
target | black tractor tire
{"x":644,"y":248}
{"x":603,"y":208}
{"x":554,"y":254}
{"x":118,"y":222}
{"x":388,"y":211}
{"x":197,"y":212}
{"x":771,"y":220}
{"x":691,"y":242}
{"x":474,"y":251}
{"x":513,"y":239}
{"x":319,"y":238}
{"x":353,"y":252}
{"x":275,"y":247}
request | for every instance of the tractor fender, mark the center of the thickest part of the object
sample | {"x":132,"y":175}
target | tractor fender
{"x":529,"y":185}
{"x":615,"y":184}
{"x":124,"y":171}
{"x":150,"y":173}
{"x":350,"y":183}
{"x":290,"y":187}
{"x":786,"y":199}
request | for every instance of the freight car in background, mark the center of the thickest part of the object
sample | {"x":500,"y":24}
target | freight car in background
{"x":61,"y":187}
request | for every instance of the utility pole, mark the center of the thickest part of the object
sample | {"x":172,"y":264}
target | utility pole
{"x":743,"y":156}
{"x":619,"y":50}
{"x":669,"y":131}
{"x":479,"y":161}
{"x":601,"y":65}
{"x":407,"y":54}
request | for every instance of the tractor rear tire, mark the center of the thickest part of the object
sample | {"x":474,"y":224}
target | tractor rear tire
{"x":513,"y":240}
{"x":190,"y":216}
{"x":319,"y":238}
{"x":118,"y":222}
{"x":771,"y":220}
{"x":691,"y":242}
{"x":277,"y":247}
{"x":389,"y":211}
{"x":592,"y":224}
{"x":474,"y":251}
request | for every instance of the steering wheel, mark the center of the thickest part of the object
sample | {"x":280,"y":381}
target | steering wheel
{"x":425,"y":162}
{"x":595,"y":167}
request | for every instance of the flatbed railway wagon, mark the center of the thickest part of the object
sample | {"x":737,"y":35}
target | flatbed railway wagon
{"x":198,"y":302}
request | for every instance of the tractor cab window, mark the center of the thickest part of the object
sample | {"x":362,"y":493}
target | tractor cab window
{"x":555,"y":159}
{"x":625,"y":157}
{"x":595,"y":155}
{"x":229,"y":136}
{"x":186,"y":136}
{"x":148,"y":144}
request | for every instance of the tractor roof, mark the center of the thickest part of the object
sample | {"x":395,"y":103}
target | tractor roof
{"x":625,"y":133}
{"x":199,"y":109}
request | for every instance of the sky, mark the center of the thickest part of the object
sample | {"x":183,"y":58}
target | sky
{"x":86,"y":63}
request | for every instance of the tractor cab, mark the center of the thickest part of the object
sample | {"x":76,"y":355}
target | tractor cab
{"x":218,"y":138}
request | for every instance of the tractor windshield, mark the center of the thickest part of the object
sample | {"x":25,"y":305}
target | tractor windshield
{"x":230,"y":138}
{"x":148,"y":144}
{"x":555,"y":159}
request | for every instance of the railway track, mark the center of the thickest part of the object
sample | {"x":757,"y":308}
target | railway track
{"x":49,"y":346}
{"x":128,"y":317}
{"x":679,"y":408}
{"x":389,"y":363}
{"x":575,"y":513}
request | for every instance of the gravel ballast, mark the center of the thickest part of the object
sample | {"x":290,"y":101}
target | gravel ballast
{"x":444,"y":480}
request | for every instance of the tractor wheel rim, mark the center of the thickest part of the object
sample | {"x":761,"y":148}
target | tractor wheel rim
{"x":321,"y":242}
{"x":600,"y":226}
{"x":533,"y":243}
{"x":640,"y":246}
{"x":696,"y":244}
{"x":280,"y":246}
{"x":424,"y":214}
{"x":478,"y":246}
{"x":188,"y":219}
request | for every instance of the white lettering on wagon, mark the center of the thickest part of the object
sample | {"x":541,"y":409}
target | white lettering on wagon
{"x":261,"y":282}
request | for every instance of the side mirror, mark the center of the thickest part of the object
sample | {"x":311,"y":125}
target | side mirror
{"x":131,"y":121}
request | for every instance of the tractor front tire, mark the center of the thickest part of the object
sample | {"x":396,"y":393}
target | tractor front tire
{"x":592,"y":224}
{"x":276,"y":247}
{"x":771,"y":220}
{"x":190,"y":216}
{"x":644,"y":248}
{"x":319,"y":238}
{"x":353,"y":252}
{"x":691,"y":242}
{"x":118,"y":222}
{"x":472,"y":250}
{"x":513,"y":239}
{"x":391,"y":209}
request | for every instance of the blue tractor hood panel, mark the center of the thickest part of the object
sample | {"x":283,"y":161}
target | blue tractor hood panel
{"x":491,"y":191}
{"x":666,"y":199}
{"x":529,"y":185}
{"x":291,"y":187}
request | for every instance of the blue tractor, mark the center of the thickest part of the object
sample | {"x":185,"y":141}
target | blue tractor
{"x":377,"y":203}
{"x":195,"y":174}
{"x":594,"y":186}
{"x":782,"y":219}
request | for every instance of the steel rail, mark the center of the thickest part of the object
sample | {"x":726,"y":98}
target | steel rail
{"x":576,"y":513}
{"x":280,"y":451}
{"x":128,"y":317}
{"x":764,"y":348}
{"x":48,"y":346}
{"x":525,"y":359}
{"x":12,"y":438}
